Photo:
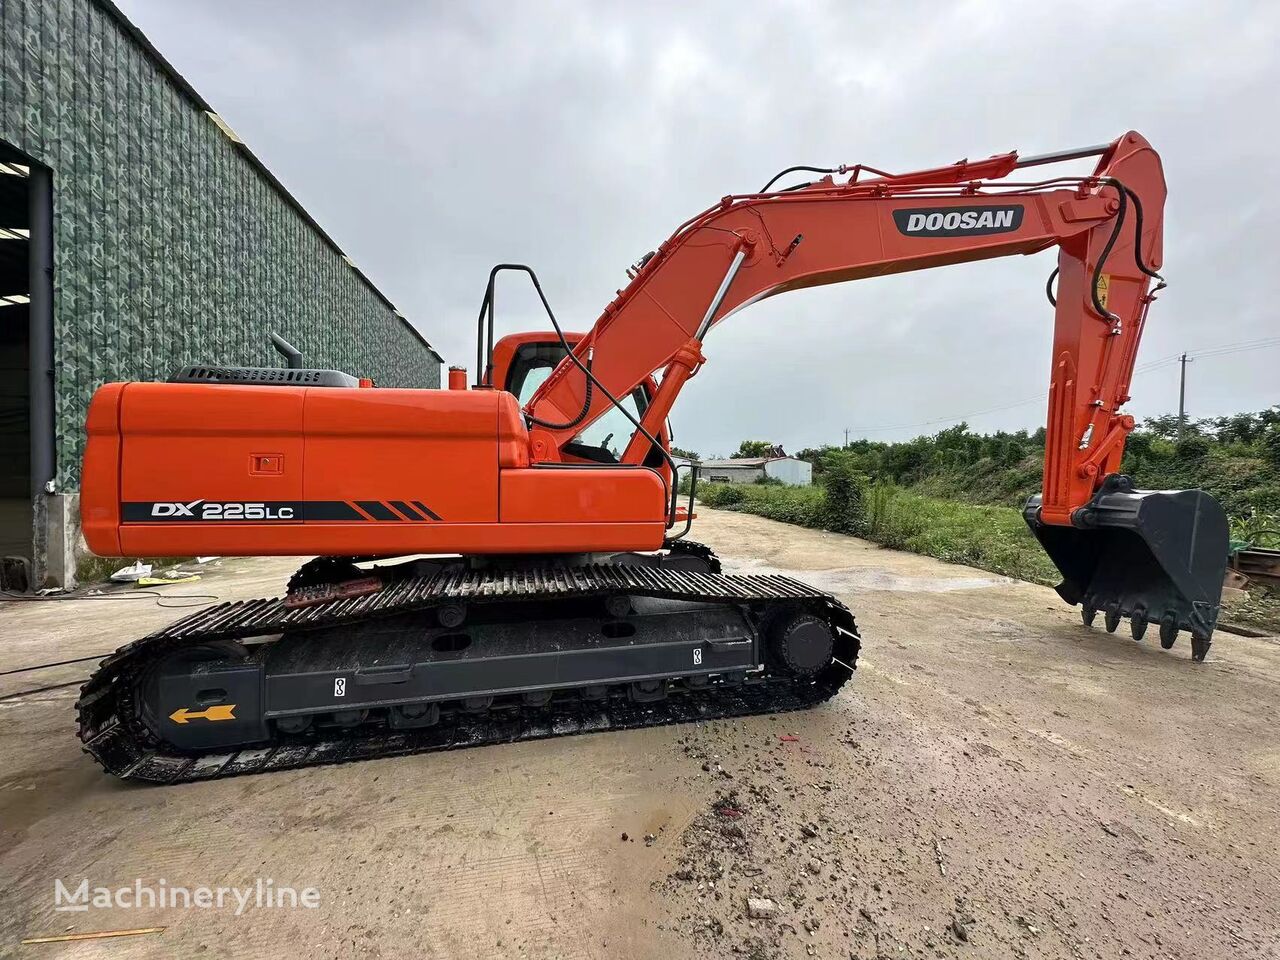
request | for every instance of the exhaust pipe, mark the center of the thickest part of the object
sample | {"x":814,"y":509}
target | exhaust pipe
{"x":1152,"y":556}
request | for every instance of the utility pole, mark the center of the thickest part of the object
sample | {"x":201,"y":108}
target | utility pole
{"x":1182,"y":397}
{"x":846,"y":438}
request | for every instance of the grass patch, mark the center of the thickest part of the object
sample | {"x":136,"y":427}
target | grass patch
{"x":986,"y":537}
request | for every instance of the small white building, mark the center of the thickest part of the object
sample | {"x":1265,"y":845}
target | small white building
{"x":791,"y":471}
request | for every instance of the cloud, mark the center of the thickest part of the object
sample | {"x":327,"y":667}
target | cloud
{"x":432,"y":140}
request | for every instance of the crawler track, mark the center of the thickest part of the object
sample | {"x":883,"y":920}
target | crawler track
{"x":114,"y":735}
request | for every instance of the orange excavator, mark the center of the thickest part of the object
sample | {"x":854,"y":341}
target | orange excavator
{"x":508,"y":560}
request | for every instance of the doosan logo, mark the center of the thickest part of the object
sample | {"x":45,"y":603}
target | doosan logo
{"x":958,"y":221}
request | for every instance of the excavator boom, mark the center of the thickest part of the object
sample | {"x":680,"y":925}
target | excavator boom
{"x":1107,"y":227}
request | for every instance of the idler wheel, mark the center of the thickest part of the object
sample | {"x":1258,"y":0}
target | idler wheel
{"x":803,"y":644}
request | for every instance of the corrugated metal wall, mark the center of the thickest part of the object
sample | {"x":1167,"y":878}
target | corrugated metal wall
{"x":170,"y":246}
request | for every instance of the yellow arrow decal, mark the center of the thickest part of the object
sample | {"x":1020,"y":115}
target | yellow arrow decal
{"x":223,"y":711}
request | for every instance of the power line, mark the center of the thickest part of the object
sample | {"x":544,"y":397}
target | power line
{"x":1235,"y":348}
{"x":1220,"y":350}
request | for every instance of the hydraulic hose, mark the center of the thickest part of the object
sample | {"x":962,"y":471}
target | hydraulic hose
{"x":592,"y":380}
{"x":1126,"y":194}
{"x":1098,"y":306}
{"x":797,"y":169}
{"x":1137,"y":245}
{"x":586,"y":400}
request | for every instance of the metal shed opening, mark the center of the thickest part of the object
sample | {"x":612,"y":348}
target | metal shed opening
{"x":16,"y":520}
{"x":25,"y":332}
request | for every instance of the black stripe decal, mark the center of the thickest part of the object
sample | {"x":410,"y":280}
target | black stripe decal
{"x":236,"y":511}
{"x":428,"y":511}
{"x":269,"y":511}
{"x":407,"y":510}
{"x":377,"y":509}
{"x":329,"y":510}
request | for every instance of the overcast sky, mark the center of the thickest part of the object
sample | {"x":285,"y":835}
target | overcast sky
{"x":432,"y":140}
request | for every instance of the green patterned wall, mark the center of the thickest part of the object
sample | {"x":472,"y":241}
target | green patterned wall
{"x":170,"y":245}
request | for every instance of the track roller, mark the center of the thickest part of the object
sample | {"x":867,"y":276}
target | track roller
{"x":348,"y":719}
{"x":411,"y":716}
{"x":293,"y":725}
{"x":647,"y":691}
{"x":618,"y":606}
{"x":451,"y":615}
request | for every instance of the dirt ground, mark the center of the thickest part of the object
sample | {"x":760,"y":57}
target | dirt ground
{"x":996,"y":781}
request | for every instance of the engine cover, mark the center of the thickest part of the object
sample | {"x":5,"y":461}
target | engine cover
{"x":198,"y":468}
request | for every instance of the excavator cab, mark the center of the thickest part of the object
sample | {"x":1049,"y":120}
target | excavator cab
{"x":523,"y":361}
{"x":1152,"y":556}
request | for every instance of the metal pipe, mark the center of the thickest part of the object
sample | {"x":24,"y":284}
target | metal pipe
{"x":720,"y":294}
{"x":1077,"y":153}
{"x":292,"y":355}
{"x":40,"y":319}
{"x":487,"y":373}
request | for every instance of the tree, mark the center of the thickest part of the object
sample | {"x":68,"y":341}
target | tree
{"x":1167,"y":427}
{"x":1271,"y":445}
{"x":753,"y":448}
{"x":686,"y":454}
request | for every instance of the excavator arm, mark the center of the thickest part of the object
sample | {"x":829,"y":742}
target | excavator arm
{"x":1108,"y":230}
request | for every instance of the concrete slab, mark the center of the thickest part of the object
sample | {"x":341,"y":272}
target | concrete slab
{"x":1058,"y":792}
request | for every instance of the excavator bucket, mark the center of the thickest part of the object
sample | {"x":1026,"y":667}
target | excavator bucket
{"x":1153,"y":556}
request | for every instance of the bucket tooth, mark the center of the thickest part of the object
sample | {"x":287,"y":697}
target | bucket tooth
{"x":1138,"y":626}
{"x":1131,"y":551}
{"x":1200,"y":648}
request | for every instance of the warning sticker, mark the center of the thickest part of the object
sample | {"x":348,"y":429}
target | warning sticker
{"x":1103,"y":287}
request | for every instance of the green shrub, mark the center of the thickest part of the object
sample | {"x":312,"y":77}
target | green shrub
{"x":844,"y":497}
{"x":720,"y":494}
